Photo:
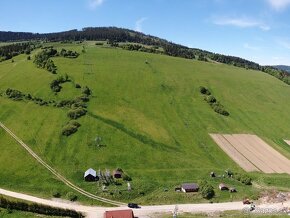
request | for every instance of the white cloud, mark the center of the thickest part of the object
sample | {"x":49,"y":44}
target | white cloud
{"x":250,"y":47}
{"x":93,"y":4}
{"x":279,"y":4}
{"x":243,"y":22}
{"x":138,"y":24}
{"x":284,"y":43}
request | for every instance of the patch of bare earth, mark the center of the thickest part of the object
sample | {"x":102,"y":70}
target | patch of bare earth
{"x":252,"y":153}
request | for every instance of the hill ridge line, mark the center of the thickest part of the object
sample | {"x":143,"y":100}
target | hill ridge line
{"x":55,"y":173}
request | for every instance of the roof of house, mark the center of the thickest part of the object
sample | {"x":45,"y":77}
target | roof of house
{"x":189,"y":186}
{"x":223,"y":185}
{"x":119,"y":214}
{"x":118,"y":172}
{"x":90,"y":172}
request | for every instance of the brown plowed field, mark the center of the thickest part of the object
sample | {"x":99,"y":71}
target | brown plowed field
{"x":252,"y":153}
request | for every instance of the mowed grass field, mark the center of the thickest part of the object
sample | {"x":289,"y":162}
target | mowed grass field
{"x":151,"y":117}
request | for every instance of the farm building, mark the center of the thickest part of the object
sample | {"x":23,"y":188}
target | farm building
{"x":189,"y":187}
{"x":233,"y":190}
{"x":223,"y":187}
{"x":91,"y":175}
{"x":119,"y":214}
{"x":117,"y":174}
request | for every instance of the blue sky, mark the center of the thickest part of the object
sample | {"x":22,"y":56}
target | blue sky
{"x":258,"y":30}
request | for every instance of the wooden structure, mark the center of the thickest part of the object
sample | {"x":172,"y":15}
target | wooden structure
{"x":119,"y":214}
{"x":91,"y":175}
{"x":189,"y":187}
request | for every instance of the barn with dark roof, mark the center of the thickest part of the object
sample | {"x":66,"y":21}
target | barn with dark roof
{"x":189,"y":187}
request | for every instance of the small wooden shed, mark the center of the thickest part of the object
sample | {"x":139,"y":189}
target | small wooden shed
{"x":91,"y":175}
{"x":117,"y":174}
{"x":223,"y":187}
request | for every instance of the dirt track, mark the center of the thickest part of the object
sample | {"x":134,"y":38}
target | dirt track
{"x":287,"y":141}
{"x":252,"y":153}
{"x":55,"y":173}
{"x":145,"y":211}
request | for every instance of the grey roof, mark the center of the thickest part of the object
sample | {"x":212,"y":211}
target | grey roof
{"x":189,"y":186}
{"x":90,"y":172}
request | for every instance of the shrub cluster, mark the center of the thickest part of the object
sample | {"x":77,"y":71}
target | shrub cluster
{"x":137,"y":47}
{"x":204,"y":90}
{"x":77,"y":110}
{"x":68,"y":53}
{"x":207,"y":190}
{"x":71,"y":196}
{"x":14,"y":94}
{"x":18,"y":95}
{"x":38,"y":208}
{"x":55,"y":85}
{"x":42,"y":60}
{"x":71,"y":127}
{"x":76,"y":113}
{"x":245,"y":179}
{"x":212,"y":101}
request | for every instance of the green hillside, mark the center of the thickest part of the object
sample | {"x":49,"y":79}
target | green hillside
{"x":153,"y":122}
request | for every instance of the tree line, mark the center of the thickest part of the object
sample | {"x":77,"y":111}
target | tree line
{"x":37,"y":208}
{"x":9,"y":51}
{"x":114,"y":34}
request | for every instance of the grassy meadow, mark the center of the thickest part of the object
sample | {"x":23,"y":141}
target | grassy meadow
{"x":152,"y":120}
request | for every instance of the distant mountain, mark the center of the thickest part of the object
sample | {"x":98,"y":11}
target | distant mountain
{"x":283,"y":67}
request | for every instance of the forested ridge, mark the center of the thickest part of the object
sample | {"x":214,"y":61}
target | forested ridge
{"x":116,"y":35}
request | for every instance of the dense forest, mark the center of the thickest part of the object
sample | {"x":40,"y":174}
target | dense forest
{"x":9,"y":51}
{"x":115,"y":35}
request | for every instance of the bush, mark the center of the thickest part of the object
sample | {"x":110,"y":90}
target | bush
{"x":210,"y":99}
{"x":69,"y":129}
{"x":204,"y":90}
{"x":126,"y":177}
{"x":14,"y":94}
{"x":76,"y":113}
{"x":246,"y":180}
{"x":243,"y":179}
{"x":55,"y":86}
{"x":78,"y":86}
{"x":71,"y":196}
{"x":87,"y":91}
{"x":56,"y":194}
{"x":207,"y":191}
{"x":218,"y":108}
{"x":74,"y":123}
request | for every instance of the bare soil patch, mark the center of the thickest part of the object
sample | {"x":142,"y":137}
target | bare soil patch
{"x":252,"y":153}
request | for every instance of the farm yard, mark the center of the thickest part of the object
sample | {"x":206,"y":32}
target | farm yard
{"x":252,"y":153}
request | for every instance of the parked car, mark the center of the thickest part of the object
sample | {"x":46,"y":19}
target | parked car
{"x":133,"y":205}
{"x":247,"y":201}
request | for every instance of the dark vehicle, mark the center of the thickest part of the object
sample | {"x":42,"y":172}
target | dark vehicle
{"x":133,"y":205}
{"x":247,"y":201}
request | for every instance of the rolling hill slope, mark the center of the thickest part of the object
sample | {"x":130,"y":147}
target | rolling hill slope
{"x":153,"y":122}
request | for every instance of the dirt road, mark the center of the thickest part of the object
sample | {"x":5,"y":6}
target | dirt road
{"x":144,"y":211}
